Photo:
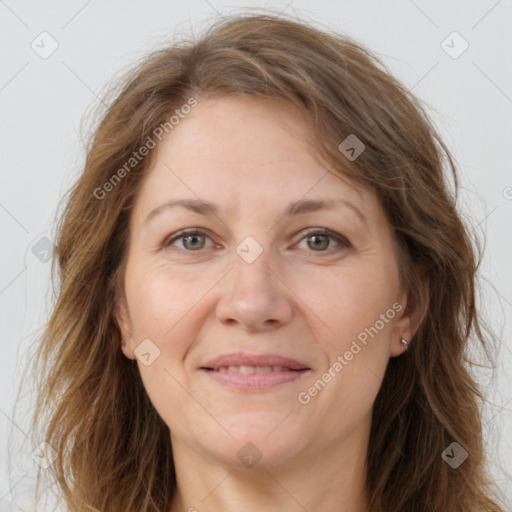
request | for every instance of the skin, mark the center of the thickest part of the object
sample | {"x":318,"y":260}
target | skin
{"x":197,"y":298}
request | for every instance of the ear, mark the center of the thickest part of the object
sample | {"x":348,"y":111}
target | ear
{"x":411,"y":315}
{"x":123,"y":322}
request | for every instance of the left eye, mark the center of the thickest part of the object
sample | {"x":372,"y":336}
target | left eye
{"x":318,"y":241}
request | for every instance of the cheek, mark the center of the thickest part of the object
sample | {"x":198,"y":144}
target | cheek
{"x":353,"y":302}
{"x":160,"y":305}
{"x":152,"y":309}
{"x":167,"y":306}
{"x":159,"y":299}
{"x":356,"y":346}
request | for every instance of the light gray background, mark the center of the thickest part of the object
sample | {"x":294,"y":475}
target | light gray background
{"x":43,"y":103}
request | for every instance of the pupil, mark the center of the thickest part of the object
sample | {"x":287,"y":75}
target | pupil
{"x":320,"y":244}
{"x":193,"y":238}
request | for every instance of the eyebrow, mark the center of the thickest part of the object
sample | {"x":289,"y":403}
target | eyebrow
{"x":295,"y":208}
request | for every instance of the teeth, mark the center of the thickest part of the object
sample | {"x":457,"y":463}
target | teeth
{"x":262,"y":369}
{"x":253,"y":369}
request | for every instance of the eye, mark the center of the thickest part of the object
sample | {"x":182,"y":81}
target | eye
{"x":320,"y":240}
{"x":192,"y":240}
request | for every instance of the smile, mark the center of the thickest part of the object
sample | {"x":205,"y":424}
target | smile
{"x":253,"y":369}
{"x":245,"y":378}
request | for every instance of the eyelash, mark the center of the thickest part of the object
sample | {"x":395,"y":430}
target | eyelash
{"x":342,"y":241}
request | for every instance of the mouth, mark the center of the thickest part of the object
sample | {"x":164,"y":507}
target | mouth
{"x":254,"y":372}
{"x":247,"y":370}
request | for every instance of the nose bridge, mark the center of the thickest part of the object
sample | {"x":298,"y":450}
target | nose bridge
{"x":252,"y":295}
{"x":252,"y":275}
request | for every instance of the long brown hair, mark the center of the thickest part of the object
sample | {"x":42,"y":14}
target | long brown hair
{"x":113,"y":449}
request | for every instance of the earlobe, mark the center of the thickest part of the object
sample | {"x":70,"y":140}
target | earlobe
{"x":122,"y":320}
{"x":127,"y":351}
{"x":420,"y":305}
{"x":416,"y":307}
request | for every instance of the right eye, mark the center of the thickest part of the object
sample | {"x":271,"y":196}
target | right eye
{"x":191,"y":240}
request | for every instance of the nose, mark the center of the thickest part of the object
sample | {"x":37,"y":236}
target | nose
{"x":254,"y":297}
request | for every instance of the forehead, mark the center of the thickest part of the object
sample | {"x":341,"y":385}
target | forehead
{"x":239,"y":149}
{"x":241,"y":132}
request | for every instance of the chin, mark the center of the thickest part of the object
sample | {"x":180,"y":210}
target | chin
{"x":257,"y":443}
{"x":253,"y":454}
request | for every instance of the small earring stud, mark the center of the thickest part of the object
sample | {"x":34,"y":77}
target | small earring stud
{"x":404,"y":343}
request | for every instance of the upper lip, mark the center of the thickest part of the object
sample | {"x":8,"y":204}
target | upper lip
{"x":240,"y":359}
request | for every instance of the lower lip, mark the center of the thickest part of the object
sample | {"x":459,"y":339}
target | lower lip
{"x":254,"y":381}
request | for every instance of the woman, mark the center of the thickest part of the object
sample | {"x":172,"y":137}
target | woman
{"x":266,"y":291}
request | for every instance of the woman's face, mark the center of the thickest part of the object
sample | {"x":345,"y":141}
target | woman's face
{"x":263,"y":331}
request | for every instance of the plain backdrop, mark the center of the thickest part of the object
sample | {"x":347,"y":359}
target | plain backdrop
{"x":57,"y":57}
